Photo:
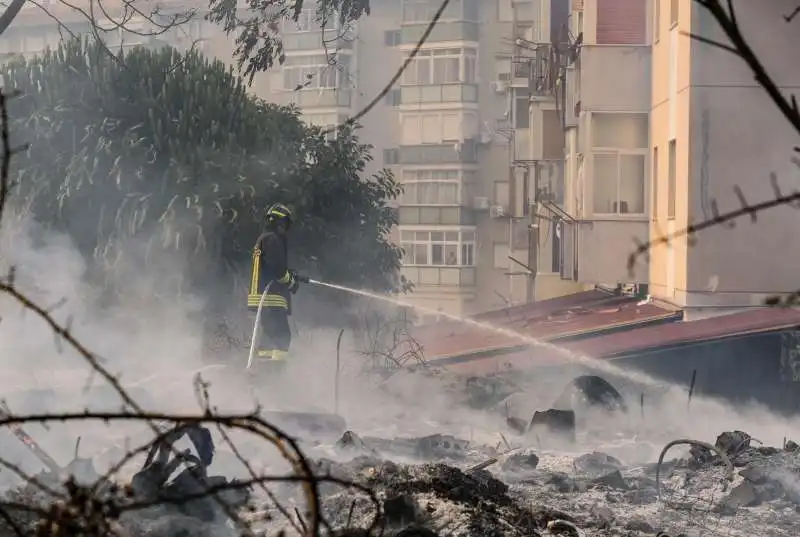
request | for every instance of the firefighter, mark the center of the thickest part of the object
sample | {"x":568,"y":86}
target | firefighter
{"x":270,"y":257}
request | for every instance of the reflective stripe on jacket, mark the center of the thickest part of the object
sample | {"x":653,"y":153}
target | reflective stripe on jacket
{"x":270,"y":265}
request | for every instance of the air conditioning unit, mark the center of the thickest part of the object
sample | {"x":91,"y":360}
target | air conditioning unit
{"x":480,"y":203}
{"x":497,"y":211}
{"x":500,"y":86}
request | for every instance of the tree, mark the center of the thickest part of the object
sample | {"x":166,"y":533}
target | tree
{"x":170,"y":149}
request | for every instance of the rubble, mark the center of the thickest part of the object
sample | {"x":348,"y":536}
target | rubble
{"x":537,"y":493}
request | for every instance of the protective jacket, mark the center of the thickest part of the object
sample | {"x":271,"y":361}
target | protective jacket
{"x":270,"y":258}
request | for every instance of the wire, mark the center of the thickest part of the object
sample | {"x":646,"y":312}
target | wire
{"x":378,"y":98}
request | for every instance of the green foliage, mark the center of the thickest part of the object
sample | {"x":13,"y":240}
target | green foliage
{"x":170,"y":148}
{"x":257,"y":28}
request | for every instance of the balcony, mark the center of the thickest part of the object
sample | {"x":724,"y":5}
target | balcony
{"x":316,"y":41}
{"x":440,"y":276}
{"x":319,"y":98}
{"x":445,"y":93}
{"x":596,"y":251}
{"x":431,"y":215}
{"x":450,"y":153}
{"x":444,"y":31}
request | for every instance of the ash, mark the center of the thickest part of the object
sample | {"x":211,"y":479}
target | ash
{"x":736,"y":489}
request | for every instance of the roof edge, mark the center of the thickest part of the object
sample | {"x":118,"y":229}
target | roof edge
{"x":501,"y":350}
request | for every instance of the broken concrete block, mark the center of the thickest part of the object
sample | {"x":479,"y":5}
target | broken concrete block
{"x":439,"y":446}
{"x":613,"y":480}
{"x":559,"y":423}
{"x":596,"y":463}
{"x":520,"y":462}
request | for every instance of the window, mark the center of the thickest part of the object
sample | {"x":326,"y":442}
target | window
{"x":556,"y":229}
{"x":315,"y":72}
{"x":391,"y":38}
{"x":619,"y":157}
{"x":432,"y":187}
{"x":654,"y":210}
{"x":673,"y":12}
{"x":393,"y":98}
{"x":501,"y":253}
{"x":437,"y":127}
{"x":502,"y":193}
{"x":442,"y":66}
{"x":671,"y":180}
{"x":524,"y":11}
{"x":438,"y":248}
{"x":657,"y":21}
{"x":522,"y":111}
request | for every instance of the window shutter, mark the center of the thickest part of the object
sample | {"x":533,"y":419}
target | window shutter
{"x":621,"y":22}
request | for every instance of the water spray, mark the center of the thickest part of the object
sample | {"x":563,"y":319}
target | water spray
{"x":532,"y":341}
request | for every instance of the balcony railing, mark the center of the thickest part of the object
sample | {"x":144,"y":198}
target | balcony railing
{"x":436,"y":216}
{"x":440,"y":276}
{"x":444,"y":31}
{"x":452,"y":153}
{"x":445,"y":93}
{"x":321,"y":98}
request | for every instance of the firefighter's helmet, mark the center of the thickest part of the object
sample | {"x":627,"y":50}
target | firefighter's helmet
{"x":279,"y":212}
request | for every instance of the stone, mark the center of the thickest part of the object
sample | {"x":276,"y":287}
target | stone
{"x":560,"y":423}
{"x":613,"y":480}
{"x":733,"y":442}
{"x":520,"y":462}
{"x":596,"y":463}
{"x":440,"y":446}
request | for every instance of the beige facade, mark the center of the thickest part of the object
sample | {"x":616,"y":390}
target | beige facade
{"x":606,"y":120}
{"x":713,"y":130}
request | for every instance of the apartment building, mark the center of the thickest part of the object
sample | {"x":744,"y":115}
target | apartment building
{"x":713,"y":129}
{"x":42,"y":25}
{"x":455,"y":131}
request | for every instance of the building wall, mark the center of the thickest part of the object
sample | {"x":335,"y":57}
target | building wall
{"x":728,"y":134}
{"x":607,"y":157}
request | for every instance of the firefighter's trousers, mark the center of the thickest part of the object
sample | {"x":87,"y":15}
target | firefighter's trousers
{"x":276,"y":335}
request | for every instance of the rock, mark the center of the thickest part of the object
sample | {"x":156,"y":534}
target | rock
{"x":757,"y":474}
{"x":742,"y":495}
{"x":596,"y":463}
{"x":351,"y":442}
{"x":733,"y":442}
{"x":791,"y":446}
{"x":554,"y":422}
{"x":520,"y":462}
{"x":564,"y":483}
{"x":439,"y":446}
{"x":612,"y":480}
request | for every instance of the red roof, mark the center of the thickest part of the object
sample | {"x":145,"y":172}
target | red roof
{"x":548,"y":320}
{"x":735,"y":324}
{"x":636,"y":339}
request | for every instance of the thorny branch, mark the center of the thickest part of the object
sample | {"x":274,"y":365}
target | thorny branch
{"x":79,"y":508}
{"x":726,"y":17}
